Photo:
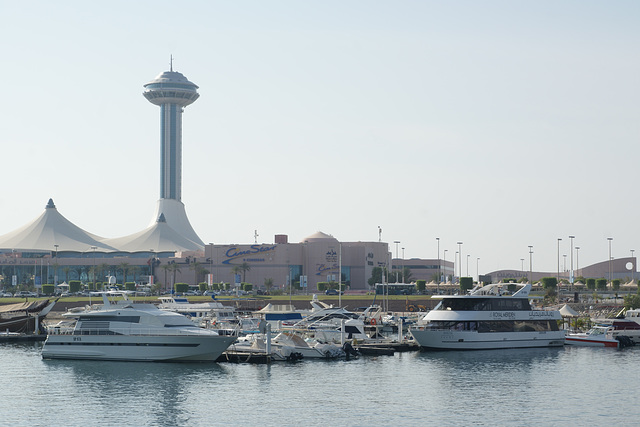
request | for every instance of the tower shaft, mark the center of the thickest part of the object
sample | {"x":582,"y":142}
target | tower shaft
{"x":171,"y":151}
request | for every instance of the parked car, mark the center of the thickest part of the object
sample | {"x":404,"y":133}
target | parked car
{"x":332,"y":292}
{"x":25,"y":294}
{"x":6,"y":294}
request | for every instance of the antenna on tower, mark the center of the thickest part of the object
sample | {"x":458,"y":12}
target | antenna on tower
{"x":171,"y":63}
{"x":255,"y":236}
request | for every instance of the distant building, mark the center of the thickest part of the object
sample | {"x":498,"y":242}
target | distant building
{"x":317,"y":258}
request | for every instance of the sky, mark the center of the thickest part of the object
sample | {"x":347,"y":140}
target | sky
{"x":498,"y":124}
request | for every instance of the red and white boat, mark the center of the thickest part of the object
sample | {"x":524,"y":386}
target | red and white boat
{"x":598,"y":336}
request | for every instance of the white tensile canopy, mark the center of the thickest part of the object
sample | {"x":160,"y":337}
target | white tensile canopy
{"x":51,"y":231}
{"x":160,"y":237}
{"x":567,"y":311}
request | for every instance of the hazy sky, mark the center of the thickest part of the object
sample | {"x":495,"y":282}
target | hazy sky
{"x":500,"y":124}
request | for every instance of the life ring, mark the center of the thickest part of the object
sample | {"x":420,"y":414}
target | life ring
{"x":373,"y":322}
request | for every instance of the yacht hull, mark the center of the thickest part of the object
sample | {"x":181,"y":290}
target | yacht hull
{"x":160,"y":348}
{"x":471,"y":340}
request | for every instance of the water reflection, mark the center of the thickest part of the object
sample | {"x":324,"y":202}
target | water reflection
{"x":155,"y":392}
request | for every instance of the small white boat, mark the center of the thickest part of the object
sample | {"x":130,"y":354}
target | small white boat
{"x":598,"y":336}
{"x":309,"y":349}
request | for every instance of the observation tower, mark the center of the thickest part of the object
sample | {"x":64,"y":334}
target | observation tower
{"x":172,"y":92}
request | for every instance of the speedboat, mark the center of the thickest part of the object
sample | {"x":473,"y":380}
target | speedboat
{"x":308,"y":349}
{"x":489,"y":317}
{"x":598,"y":336}
{"x":122,"y":330}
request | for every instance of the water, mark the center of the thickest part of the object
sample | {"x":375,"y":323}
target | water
{"x":560,"y":386}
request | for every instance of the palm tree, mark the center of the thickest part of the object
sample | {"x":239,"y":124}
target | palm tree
{"x":174,"y":268}
{"x":268,"y":283}
{"x":200,"y":271}
{"x":244,"y":267}
{"x":124,"y":266}
{"x":236,"y":269}
{"x":165,"y":267}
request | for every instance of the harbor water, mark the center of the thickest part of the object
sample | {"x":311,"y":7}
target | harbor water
{"x":521,"y":387}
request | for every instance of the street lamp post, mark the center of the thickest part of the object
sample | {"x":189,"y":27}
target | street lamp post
{"x":55,"y":277}
{"x":397,"y":242}
{"x":633,"y":265}
{"x":478,"y":269}
{"x":444,"y":275}
{"x":94,"y":266}
{"x":558,"y":278}
{"x":609,"y":239}
{"x":455,"y":266}
{"x":522,"y":266}
{"x":460,"y":258}
{"x":439,"y":263}
{"x":530,"y":264}
{"x":571,"y":271}
{"x":402,"y":266}
{"x":468,"y":264}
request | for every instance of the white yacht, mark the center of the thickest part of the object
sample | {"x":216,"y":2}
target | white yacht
{"x":122,"y":330}
{"x":490,"y":317}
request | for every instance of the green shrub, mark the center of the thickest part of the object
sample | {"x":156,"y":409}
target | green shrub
{"x":74,"y":286}
{"x":181,"y":287}
{"x":48,"y":289}
{"x":466,"y":283}
{"x":601,"y":284}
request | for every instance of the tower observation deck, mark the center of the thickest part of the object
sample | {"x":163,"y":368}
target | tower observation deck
{"x":172,"y":92}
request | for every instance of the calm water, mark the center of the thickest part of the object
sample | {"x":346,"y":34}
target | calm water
{"x":570,"y":386}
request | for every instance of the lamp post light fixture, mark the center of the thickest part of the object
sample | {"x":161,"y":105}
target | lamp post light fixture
{"x":609,"y":239}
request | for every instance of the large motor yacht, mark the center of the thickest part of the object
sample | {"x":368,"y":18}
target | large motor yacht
{"x":490,"y":317}
{"x":122,"y":330}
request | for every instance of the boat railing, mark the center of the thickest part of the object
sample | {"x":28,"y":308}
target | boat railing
{"x":127,"y":331}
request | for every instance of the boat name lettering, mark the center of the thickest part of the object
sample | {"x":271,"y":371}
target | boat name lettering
{"x":540,"y":313}
{"x":503,"y":314}
{"x":77,"y":338}
{"x":233,"y":253}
